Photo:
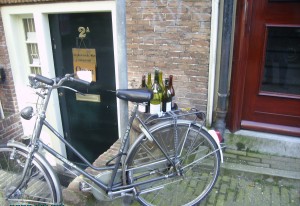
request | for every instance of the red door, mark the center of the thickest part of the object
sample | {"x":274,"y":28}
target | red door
{"x":271,"y":66}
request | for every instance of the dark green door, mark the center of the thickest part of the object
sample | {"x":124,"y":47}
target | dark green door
{"x":90,"y":126}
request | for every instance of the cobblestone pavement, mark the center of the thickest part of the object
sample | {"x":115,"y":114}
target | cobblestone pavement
{"x":246,"y":179}
{"x":244,"y":189}
{"x":234,"y":188}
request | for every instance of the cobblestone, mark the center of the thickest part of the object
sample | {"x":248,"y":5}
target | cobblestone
{"x":235,"y":188}
{"x":241,"y":185}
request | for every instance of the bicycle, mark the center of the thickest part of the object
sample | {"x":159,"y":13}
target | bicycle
{"x":173,"y":155}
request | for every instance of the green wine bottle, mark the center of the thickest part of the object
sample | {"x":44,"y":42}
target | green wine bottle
{"x":160,"y":81}
{"x":174,"y":105}
{"x":155,"y":102}
{"x":167,"y":97}
{"x":143,"y":106}
{"x":149,"y":81}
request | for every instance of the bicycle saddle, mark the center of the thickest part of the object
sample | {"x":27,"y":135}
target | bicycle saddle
{"x":135,"y":95}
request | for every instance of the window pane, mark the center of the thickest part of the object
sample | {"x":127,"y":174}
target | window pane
{"x":282,"y":62}
{"x":32,"y":46}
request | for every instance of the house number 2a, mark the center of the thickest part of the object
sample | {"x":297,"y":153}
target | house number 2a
{"x":82,"y":31}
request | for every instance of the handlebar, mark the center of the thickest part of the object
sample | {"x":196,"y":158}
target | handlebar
{"x":40,"y":78}
{"x":80,"y":81}
{"x":36,"y":78}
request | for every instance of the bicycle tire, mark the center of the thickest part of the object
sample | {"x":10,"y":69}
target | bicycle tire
{"x":40,"y":188}
{"x":145,"y":161}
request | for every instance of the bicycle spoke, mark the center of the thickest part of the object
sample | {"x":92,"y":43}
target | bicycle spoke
{"x":188,"y":154}
{"x":192,"y":176}
{"x":147,"y":150}
{"x":36,"y":187}
{"x":153,"y":158}
{"x":194,"y":162}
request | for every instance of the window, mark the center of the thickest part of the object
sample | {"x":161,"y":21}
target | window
{"x":32,"y":46}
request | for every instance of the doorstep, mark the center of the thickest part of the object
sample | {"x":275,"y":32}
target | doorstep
{"x":265,"y":143}
{"x":262,"y":153}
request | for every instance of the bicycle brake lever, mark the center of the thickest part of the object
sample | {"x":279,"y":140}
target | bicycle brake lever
{"x":74,"y":90}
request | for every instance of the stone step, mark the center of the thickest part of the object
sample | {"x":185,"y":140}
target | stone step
{"x":265,"y":143}
{"x":261,"y":170}
{"x":262,"y":153}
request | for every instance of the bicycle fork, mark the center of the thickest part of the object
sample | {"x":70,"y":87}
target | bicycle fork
{"x":25,"y":174}
{"x":33,"y":147}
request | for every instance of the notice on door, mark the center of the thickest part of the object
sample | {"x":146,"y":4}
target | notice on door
{"x":85,"y":60}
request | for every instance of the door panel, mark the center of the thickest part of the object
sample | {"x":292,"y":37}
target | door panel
{"x":272,"y":78}
{"x":281,"y":73}
{"x":90,"y":126}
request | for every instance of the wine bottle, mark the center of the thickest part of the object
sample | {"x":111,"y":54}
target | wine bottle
{"x":142,"y":106}
{"x":149,"y":86}
{"x":143,"y":85}
{"x":167,"y":97}
{"x":160,"y":81}
{"x":149,"y":81}
{"x":172,"y":92}
{"x":155,"y":102}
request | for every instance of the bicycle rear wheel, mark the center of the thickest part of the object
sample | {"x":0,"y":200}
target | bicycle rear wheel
{"x":199,"y":163}
{"x":39,"y":188}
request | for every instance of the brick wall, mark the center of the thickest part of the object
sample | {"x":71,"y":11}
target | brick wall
{"x":10,"y":127}
{"x":173,"y":36}
{"x":7,"y":92}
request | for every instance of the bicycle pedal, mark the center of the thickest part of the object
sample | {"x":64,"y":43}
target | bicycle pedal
{"x":84,"y":187}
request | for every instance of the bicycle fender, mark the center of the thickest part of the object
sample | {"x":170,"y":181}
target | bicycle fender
{"x":44,"y":162}
{"x":216,"y":138}
{"x":212,"y":133}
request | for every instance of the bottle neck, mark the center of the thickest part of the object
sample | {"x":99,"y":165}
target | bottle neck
{"x":171,"y":80}
{"x":149,"y":82}
{"x":143,"y":84}
{"x":160,"y":76}
{"x":143,"y":81}
{"x":156,"y":77}
{"x":167,"y":83}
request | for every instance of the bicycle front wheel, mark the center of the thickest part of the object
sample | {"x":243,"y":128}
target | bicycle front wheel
{"x":158,"y":183}
{"x":38,"y":189}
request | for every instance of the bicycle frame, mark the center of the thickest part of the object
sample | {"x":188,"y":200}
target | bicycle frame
{"x":36,"y":143}
{"x":99,"y":183}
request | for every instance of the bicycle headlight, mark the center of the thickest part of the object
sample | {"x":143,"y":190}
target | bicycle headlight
{"x":27,"y":113}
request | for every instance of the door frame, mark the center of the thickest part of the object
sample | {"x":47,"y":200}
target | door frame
{"x":11,"y":18}
{"x":240,"y":52}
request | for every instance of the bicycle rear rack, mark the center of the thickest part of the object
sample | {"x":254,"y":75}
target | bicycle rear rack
{"x":192,"y":114}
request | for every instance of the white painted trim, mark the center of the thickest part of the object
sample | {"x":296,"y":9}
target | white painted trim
{"x":12,"y":23}
{"x":55,"y":8}
{"x":118,"y":79}
{"x":212,"y":60}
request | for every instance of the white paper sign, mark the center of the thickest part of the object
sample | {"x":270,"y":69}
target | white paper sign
{"x":85,"y":75}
